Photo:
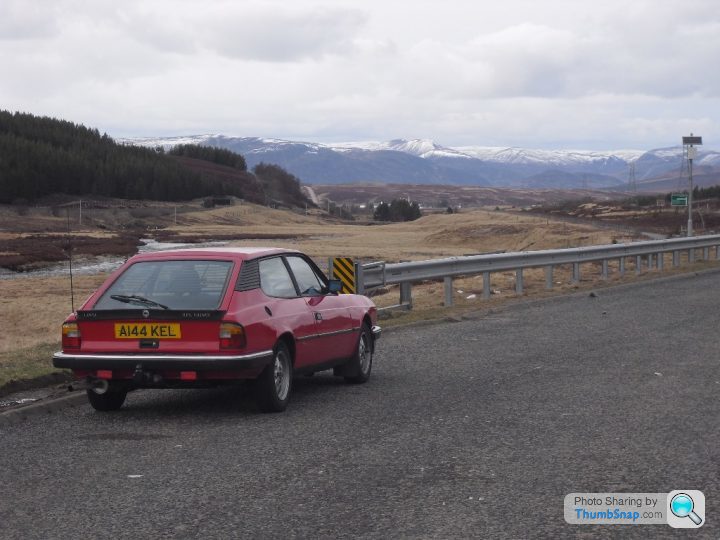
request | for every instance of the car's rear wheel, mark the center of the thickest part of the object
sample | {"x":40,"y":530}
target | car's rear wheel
{"x":360,"y":364}
{"x":273,"y":386}
{"x":107,"y":399}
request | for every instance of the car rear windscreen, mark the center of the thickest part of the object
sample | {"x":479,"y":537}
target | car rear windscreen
{"x":185,"y":284}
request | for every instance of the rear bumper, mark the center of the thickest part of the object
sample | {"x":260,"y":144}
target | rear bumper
{"x":162,"y":361}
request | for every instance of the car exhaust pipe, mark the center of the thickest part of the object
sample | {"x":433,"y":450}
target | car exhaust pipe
{"x":98,"y":385}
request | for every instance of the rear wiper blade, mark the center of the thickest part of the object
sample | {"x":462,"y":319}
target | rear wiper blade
{"x":137,"y":300}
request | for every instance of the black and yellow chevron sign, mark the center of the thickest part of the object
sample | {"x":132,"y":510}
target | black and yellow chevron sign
{"x":344,"y":270}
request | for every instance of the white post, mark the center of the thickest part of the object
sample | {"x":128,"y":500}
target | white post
{"x":691,"y":151}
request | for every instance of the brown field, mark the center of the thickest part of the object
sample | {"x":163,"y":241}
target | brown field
{"x":34,"y":307}
{"x":660,"y":217}
{"x":431,"y":195}
{"x":432,"y":236}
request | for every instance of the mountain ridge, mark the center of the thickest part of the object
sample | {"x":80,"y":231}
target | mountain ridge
{"x":424,"y":161}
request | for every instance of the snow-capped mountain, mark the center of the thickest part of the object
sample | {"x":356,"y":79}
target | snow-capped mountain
{"x":424,"y":148}
{"x":547,"y":157}
{"x":423,"y":161}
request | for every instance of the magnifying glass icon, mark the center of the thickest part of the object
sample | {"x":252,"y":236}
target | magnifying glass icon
{"x":682,"y":506}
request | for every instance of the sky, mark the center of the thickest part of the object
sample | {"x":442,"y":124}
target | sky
{"x":550,"y":74}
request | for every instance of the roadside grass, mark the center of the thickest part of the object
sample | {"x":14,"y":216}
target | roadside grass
{"x":31,"y":362}
{"x":33,"y":308}
{"x":27,"y":363}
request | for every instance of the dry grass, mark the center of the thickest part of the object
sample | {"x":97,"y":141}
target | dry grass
{"x":31,"y":312}
{"x":27,"y":363}
{"x":33,"y":308}
{"x":433,"y":236}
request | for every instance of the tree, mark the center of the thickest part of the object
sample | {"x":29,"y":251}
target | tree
{"x":40,"y":156}
{"x":280,"y":185}
{"x":221,"y":156}
{"x":397,"y":210}
{"x":382,"y":212}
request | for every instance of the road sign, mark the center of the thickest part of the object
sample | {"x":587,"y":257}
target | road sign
{"x":343,"y":268}
{"x":679,"y":199}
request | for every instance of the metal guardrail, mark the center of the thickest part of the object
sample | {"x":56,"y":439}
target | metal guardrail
{"x":379,"y":274}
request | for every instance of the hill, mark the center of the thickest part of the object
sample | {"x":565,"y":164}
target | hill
{"x":42,"y":156}
{"x":422,"y":161}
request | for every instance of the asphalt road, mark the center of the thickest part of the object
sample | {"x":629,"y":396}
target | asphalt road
{"x":470,"y":429}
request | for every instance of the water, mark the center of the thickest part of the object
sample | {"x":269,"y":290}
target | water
{"x":152,"y":245}
{"x":98,"y":265}
{"x":14,"y":402}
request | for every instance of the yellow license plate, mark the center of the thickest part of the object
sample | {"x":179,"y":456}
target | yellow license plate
{"x":147,"y":331}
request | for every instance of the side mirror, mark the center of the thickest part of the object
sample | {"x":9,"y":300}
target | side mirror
{"x":334,"y":286}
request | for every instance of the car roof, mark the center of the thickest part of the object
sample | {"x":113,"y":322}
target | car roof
{"x":241,"y":253}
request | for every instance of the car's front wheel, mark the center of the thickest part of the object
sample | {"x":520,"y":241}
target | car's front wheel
{"x":360,"y":364}
{"x":273,"y":386}
{"x":107,"y":399}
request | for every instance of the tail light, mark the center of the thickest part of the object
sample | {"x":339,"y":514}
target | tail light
{"x":232,"y":336}
{"x":70,"y":336}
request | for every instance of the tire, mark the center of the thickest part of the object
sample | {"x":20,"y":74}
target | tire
{"x":273,"y":386}
{"x":360,"y":365}
{"x":110,"y":400}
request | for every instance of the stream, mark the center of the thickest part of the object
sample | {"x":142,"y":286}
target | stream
{"x":88,"y":266}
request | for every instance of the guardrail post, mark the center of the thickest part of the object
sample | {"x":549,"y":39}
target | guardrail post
{"x":549,"y":276}
{"x":486,"y":285}
{"x":518,"y":281}
{"x":660,"y":261}
{"x":406,"y":294}
{"x":717,"y":252}
{"x":576,"y":273}
{"x":638,"y":264}
{"x":706,"y":254}
{"x":605,"y":269}
{"x":691,"y":255}
{"x":676,"y":259}
{"x":622,"y":266}
{"x":448,"y":291}
{"x":650,"y":261}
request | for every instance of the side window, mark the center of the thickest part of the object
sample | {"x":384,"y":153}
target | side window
{"x":275,"y":280}
{"x":308,"y":282}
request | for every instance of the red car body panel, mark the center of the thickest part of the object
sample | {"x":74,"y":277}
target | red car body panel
{"x":332,"y":318}
{"x":321,"y":329}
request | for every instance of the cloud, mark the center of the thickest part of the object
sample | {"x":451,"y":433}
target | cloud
{"x":526,"y":60}
{"x":272,"y":35}
{"x":463,"y":72}
{"x":22,"y":20}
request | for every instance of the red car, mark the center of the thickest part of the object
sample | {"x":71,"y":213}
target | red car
{"x":204,"y":317}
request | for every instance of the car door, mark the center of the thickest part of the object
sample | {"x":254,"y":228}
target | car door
{"x":335,"y":332}
{"x":287,"y":310}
